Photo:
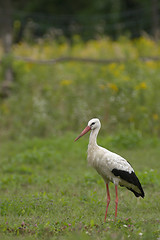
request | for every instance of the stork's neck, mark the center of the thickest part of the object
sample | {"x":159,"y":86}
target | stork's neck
{"x":93,"y":137}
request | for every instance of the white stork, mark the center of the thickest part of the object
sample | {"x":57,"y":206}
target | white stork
{"x":111,"y":166}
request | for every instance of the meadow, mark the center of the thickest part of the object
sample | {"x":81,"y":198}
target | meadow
{"x":47,"y":190}
{"x":123,"y":95}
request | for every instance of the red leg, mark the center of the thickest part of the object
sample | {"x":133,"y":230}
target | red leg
{"x":116,"y":201}
{"x":108,"y":201}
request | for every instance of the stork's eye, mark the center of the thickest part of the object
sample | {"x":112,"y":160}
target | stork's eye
{"x":92,"y":123}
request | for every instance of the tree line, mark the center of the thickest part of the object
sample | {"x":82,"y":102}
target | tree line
{"x":88,"y":19}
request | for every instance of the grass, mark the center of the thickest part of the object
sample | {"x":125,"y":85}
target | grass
{"x":47,"y":191}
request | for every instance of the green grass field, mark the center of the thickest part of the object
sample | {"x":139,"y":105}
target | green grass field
{"x":47,"y":191}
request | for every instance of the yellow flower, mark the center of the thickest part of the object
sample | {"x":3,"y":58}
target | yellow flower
{"x":155,"y":116}
{"x":112,"y":66}
{"x":113,"y":86}
{"x":126,"y":78}
{"x":151,"y":64}
{"x":115,"y":69}
{"x":66,"y":82}
{"x":142,"y":85}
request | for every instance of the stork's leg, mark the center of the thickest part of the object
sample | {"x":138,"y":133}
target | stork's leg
{"x":116,"y":201}
{"x":108,"y":201}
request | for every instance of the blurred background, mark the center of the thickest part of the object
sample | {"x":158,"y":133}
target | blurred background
{"x":64,"y":62}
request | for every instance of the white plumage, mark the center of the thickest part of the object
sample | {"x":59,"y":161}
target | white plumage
{"x":111,"y":166}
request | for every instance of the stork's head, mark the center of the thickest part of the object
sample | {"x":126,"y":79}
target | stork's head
{"x":93,"y":124}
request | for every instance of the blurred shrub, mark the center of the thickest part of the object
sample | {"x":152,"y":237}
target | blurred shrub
{"x":50,"y":99}
{"x":127,"y":139}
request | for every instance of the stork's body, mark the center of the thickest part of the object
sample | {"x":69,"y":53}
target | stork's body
{"x":111,"y":166}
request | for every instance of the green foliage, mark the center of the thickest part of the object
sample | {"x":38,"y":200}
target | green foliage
{"x":127,"y":139}
{"x":47,"y":100}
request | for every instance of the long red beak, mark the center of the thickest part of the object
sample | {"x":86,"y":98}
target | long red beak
{"x":87,"y":129}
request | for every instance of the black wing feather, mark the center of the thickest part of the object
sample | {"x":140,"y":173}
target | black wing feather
{"x":130,"y":178}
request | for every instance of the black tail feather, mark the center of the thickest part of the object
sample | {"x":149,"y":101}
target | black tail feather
{"x":136,"y":193}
